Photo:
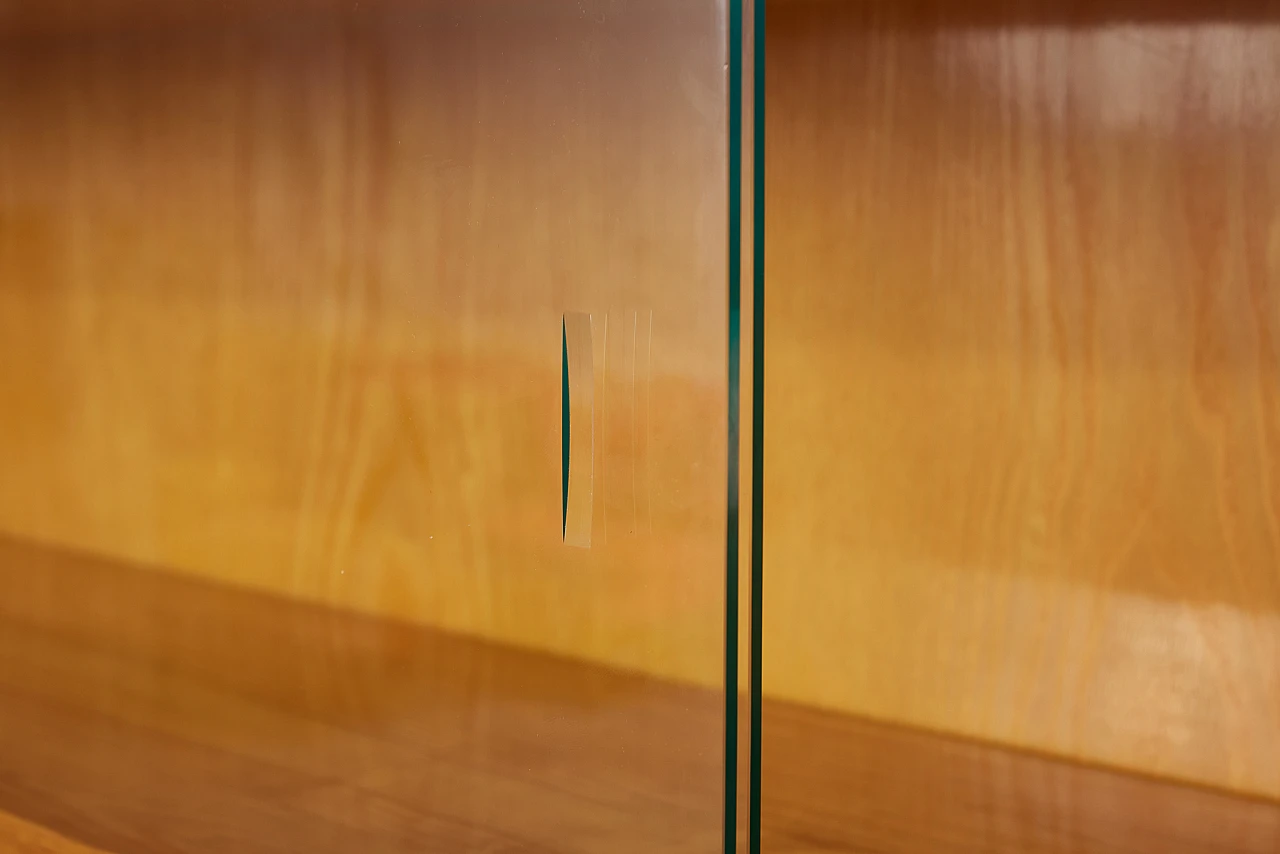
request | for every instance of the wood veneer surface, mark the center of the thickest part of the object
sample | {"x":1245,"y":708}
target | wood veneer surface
{"x":147,"y":712}
{"x":1022,"y":467}
{"x":281,"y":300}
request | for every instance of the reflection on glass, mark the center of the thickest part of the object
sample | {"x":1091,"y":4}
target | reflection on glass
{"x":1021,"y":393}
{"x":293,"y":556}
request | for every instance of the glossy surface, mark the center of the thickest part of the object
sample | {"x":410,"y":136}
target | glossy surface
{"x":141,"y":711}
{"x":1023,"y":378}
{"x":840,"y":785}
{"x":281,"y":301}
{"x":123,"y":730}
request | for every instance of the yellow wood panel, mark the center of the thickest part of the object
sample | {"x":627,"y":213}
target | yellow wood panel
{"x":281,"y":305}
{"x":1023,"y":376}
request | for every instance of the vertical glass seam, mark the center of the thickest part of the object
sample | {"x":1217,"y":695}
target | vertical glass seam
{"x":757,"y":416}
{"x":734,"y":396}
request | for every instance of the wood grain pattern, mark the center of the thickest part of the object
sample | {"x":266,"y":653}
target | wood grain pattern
{"x":59,"y":19}
{"x":1023,"y":380}
{"x":839,"y":785}
{"x":146,"y":712}
{"x":141,"y":711}
{"x":279,"y":299}
{"x":280,"y":302}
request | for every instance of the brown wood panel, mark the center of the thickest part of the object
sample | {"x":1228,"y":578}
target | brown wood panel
{"x":281,"y":300}
{"x":58,"y":19}
{"x":141,"y":711}
{"x":841,"y":785}
{"x":147,"y":712}
{"x":1023,"y":379}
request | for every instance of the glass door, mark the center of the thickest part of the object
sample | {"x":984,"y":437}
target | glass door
{"x":363,"y":444}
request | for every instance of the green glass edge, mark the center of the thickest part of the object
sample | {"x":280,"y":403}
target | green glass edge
{"x":757,"y":415}
{"x":734,"y":398}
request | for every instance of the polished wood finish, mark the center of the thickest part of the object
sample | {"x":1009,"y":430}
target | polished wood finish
{"x":147,"y":712}
{"x":58,"y":19}
{"x":281,"y":289}
{"x":840,"y":785}
{"x":1023,"y":375}
{"x":142,"y":711}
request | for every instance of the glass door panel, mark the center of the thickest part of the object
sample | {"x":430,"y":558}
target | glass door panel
{"x":362,"y":370}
